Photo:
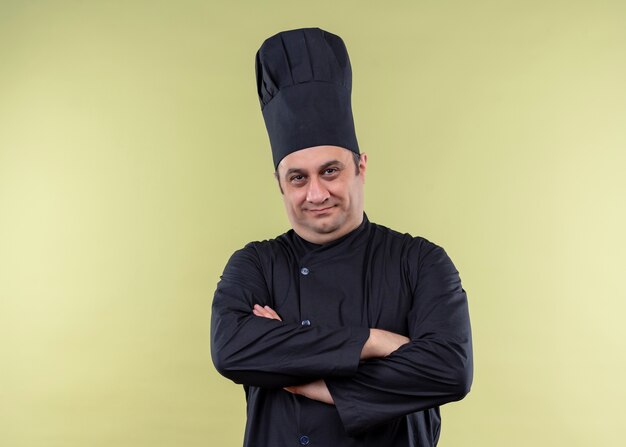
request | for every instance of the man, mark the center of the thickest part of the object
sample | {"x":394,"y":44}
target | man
{"x":343,"y":332}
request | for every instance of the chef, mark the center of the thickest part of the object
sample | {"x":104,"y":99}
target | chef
{"x":343,"y":332}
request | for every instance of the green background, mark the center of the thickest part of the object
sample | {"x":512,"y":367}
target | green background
{"x":134,"y":161}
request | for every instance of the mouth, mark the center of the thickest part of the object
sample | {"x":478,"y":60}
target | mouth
{"x":318,"y":211}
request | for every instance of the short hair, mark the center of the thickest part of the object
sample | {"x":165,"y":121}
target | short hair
{"x":357,"y":160}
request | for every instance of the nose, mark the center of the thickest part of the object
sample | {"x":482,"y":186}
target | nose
{"x":316,"y":192}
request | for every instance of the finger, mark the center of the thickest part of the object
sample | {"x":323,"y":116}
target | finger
{"x":260,"y":311}
{"x":265,"y":313}
{"x":273,"y":313}
{"x":257,"y":309}
{"x":290,"y":389}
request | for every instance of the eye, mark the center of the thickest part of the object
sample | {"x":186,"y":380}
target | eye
{"x":330,"y":171}
{"x":298,"y":178}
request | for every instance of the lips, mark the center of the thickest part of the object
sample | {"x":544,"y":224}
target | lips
{"x":321,"y":210}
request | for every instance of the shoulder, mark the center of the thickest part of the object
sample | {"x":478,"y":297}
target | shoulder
{"x":267,"y":247}
{"x":257,"y":253}
{"x":415,"y":247}
{"x":418,"y":256}
{"x":426,"y":265}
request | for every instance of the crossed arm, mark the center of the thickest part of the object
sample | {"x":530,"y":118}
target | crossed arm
{"x":380,"y":344}
{"x":370,"y":375}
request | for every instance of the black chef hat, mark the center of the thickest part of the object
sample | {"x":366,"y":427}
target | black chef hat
{"x":304,"y":81}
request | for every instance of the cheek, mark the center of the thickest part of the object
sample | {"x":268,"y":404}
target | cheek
{"x":293,"y":198}
{"x":342,"y":191}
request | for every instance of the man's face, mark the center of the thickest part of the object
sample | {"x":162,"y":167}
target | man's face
{"x":322,"y":192}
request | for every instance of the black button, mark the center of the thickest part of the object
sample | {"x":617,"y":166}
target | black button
{"x":304,"y":440}
{"x":306,"y":322}
{"x":304,"y":271}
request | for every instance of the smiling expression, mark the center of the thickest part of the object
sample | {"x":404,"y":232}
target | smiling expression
{"x":322,"y":192}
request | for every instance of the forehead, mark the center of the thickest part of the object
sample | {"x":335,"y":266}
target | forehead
{"x":314,"y":157}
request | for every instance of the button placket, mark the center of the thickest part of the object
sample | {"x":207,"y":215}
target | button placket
{"x":304,"y":271}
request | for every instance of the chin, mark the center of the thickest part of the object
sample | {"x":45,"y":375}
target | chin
{"x":326,"y":228}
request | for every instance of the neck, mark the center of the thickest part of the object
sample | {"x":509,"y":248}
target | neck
{"x":325,"y":238}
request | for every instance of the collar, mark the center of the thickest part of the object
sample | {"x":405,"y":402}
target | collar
{"x":304,"y":247}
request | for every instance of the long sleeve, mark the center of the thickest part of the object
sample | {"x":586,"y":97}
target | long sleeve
{"x":269,"y":353}
{"x":434,"y":368}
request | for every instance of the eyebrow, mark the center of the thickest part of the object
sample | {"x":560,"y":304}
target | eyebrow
{"x":321,"y":168}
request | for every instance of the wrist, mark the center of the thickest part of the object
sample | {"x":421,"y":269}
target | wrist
{"x":381,"y":343}
{"x":371,"y":349}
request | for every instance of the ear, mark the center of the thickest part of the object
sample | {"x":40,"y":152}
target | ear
{"x":363,"y":164}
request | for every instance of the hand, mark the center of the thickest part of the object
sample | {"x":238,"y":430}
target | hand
{"x":315,"y":390}
{"x":265,"y":312}
{"x":381,"y":343}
